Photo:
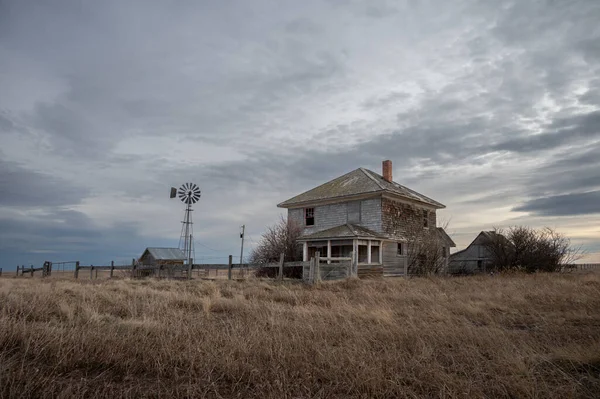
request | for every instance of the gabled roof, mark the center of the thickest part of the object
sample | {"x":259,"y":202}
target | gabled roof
{"x":486,"y":235}
{"x":359,"y":181}
{"x":165,"y":253}
{"x":445,"y":237}
{"x":347,"y":230}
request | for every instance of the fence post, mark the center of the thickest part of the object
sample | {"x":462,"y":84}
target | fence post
{"x":281,"y":259}
{"x":91,"y":272}
{"x":17,"y":270}
{"x":311,"y":271}
{"x":76,"y":270}
{"x":96,"y":276}
{"x":229,"y":267}
{"x":112,"y":268}
{"x":31,"y":269}
{"x":132,"y":267}
{"x":317,"y":267}
{"x":0,"y":272}
{"x":350,"y":265}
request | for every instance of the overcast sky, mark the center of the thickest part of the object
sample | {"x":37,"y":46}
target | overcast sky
{"x":490,"y":107}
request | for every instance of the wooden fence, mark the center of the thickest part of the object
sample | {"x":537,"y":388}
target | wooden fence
{"x":317,"y":269}
{"x":584,"y":266}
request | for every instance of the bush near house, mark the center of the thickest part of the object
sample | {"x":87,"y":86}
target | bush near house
{"x":531,"y":250}
{"x":278,"y":239}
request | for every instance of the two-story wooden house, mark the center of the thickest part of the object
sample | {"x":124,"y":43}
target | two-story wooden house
{"x":368,"y":214}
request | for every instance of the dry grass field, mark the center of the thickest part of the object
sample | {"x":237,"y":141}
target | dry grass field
{"x":526,"y":336}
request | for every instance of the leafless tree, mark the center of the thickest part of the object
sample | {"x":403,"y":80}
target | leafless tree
{"x":426,"y":251}
{"x":277,"y":239}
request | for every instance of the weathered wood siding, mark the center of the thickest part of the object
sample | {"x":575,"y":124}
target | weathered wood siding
{"x":400,"y":218}
{"x":393,"y":265}
{"x":470,"y":259}
{"x":370,"y":212}
{"x":366,"y":213}
{"x":370,"y":271}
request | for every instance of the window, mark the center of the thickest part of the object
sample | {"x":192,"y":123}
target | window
{"x":400,"y":251}
{"x":444,"y":253}
{"x":425,"y":219}
{"x":353,"y":212}
{"x":309,"y":216}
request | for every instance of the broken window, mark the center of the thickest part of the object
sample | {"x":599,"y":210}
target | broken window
{"x":309,"y":216}
{"x":400,"y":250}
{"x":425,"y":219}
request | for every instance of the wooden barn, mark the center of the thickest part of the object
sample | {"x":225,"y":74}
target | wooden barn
{"x":476,"y":257}
{"x":162,"y":256}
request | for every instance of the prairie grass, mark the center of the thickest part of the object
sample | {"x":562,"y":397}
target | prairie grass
{"x":527,"y":336}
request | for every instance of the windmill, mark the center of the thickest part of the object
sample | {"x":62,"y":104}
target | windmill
{"x":189,"y":194}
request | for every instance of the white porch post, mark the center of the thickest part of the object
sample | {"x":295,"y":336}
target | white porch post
{"x":329,"y":251}
{"x":355,"y":251}
{"x":369,"y":252}
{"x":305,"y":251}
{"x":381,"y":252}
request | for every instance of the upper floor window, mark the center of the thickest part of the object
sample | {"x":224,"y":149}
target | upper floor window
{"x":425,"y":219}
{"x":309,"y":216}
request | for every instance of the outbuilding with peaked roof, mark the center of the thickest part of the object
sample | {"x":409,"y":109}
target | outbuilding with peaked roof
{"x":162,"y":256}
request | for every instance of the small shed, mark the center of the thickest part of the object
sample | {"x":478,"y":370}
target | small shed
{"x":162,"y":256}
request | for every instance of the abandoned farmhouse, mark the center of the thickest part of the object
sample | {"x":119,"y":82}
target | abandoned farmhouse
{"x":368,"y":214}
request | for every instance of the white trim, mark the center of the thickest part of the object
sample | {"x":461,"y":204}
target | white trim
{"x":369,"y":252}
{"x":339,"y":238}
{"x":329,"y":251}
{"x":305,"y":252}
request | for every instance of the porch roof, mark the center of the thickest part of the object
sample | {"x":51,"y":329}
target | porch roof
{"x":347,"y":230}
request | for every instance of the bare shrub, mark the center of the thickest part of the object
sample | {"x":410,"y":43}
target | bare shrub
{"x":278,"y":239}
{"x":525,"y":248}
{"x":426,"y":251}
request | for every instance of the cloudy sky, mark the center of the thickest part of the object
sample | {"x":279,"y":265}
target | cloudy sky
{"x":490,"y":107}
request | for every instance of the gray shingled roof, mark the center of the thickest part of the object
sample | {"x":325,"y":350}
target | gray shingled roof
{"x":166,"y":253}
{"x":359,"y":181}
{"x":343,"y":231}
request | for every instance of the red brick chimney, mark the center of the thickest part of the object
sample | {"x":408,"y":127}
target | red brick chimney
{"x":387,"y":170}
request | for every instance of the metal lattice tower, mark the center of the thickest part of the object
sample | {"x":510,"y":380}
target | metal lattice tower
{"x":189,"y":194}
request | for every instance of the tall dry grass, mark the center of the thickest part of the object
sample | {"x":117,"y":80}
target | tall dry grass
{"x":511,"y":336}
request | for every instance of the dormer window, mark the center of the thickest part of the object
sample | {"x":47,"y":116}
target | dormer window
{"x":425,"y":219}
{"x":309,"y":216}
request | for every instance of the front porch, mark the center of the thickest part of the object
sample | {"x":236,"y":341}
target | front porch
{"x":364,"y":246}
{"x":369,"y":251}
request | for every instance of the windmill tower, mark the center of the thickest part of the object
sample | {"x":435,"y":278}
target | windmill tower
{"x":189,"y":194}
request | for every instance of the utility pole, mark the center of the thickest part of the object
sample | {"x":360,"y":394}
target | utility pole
{"x":242,"y":231}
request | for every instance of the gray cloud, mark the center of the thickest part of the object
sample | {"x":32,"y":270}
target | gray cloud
{"x":560,"y":132}
{"x":23,"y":187}
{"x":563,"y":205}
{"x":483,"y":106}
